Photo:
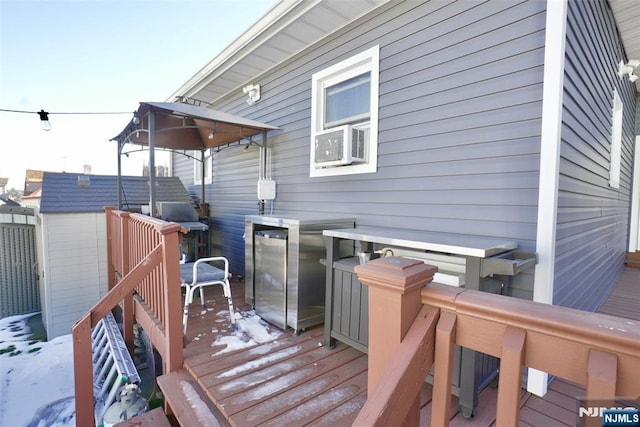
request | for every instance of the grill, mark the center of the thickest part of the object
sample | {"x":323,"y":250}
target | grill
{"x":182,"y":213}
{"x":196,"y":241}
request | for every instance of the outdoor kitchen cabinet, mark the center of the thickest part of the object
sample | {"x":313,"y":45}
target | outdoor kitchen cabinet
{"x":347,"y":307}
{"x":490,"y":264}
{"x":303,"y":284}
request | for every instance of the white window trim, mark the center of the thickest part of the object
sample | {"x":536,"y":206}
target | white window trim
{"x":208,"y":165}
{"x":616,"y":140}
{"x":368,"y":60}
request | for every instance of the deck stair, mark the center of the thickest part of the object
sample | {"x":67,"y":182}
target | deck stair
{"x":633,"y":259}
{"x":188,"y":402}
{"x":112,"y":365}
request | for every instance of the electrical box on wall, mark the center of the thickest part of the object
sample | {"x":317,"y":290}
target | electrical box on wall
{"x":266,"y":189}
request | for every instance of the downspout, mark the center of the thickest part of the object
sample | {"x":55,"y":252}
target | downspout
{"x":202,"y":175}
{"x":550,"y":141}
{"x":263,"y":167}
{"x":152,"y":163}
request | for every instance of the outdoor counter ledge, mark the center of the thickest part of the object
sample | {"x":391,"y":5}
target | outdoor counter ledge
{"x":458,"y":244}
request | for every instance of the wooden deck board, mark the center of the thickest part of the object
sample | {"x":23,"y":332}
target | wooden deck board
{"x":275,"y":377}
{"x":549,"y":407}
{"x":323,"y":403}
{"x":624,"y":301}
{"x":257,"y":406}
{"x":296,"y":380}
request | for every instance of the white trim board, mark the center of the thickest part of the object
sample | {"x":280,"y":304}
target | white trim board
{"x":554,"y":55}
{"x":634,"y":229}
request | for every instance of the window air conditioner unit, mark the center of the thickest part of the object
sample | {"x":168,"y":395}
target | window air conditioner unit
{"x":339,"y":146}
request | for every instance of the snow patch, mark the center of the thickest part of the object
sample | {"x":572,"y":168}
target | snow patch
{"x":201,"y":409}
{"x":258,"y":363}
{"x":250,"y":330}
{"x":32,"y":375}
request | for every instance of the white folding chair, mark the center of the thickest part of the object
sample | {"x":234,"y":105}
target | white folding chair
{"x":197,"y":275}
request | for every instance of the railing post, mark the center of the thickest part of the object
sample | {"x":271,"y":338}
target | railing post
{"x":83,"y":371}
{"x":172,"y":301}
{"x":394,"y":302}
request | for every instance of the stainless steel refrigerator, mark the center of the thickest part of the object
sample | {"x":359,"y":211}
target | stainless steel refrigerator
{"x":271,"y":276}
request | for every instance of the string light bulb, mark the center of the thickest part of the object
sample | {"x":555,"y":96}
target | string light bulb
{"x":213,"y":132}
{"x":44,"y":120}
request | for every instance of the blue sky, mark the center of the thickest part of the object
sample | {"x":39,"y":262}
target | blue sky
{"x":99,"y":56}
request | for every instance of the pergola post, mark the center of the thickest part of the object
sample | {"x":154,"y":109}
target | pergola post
{"x":152,"y":163}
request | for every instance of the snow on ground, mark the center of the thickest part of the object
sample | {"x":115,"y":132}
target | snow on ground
{"x":34,"y":374}
{"x":36,"y":377}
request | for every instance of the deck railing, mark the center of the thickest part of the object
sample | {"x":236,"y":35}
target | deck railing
{"x":413,"y":326}
{"x":144,"y":279}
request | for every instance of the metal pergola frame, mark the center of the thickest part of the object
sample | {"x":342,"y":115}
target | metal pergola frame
{"x":179,"y":127}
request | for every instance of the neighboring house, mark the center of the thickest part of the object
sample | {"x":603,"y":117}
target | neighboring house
{"x":4,"y":197}
{"x":6,"y":201}
{"x":476,"y":118}
{"x":33,"y":199}
{"x":71,"y":239}
{"x":32,"y":181}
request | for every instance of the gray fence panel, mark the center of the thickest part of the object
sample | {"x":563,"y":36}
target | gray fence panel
{"x":19,"y":293}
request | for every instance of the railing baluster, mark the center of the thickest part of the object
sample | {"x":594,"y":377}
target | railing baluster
{"x":602,"y":370}
{"x":443,"y":369}
{"x":510,"y":383}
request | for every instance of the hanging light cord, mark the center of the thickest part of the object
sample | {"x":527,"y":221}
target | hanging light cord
{"x":65,"y":112}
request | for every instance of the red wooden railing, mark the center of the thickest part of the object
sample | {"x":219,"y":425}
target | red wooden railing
{"x":144,"y":279}
{"x":417,"y":326}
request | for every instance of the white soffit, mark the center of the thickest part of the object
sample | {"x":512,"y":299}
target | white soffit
{"x":289,"y":27}
{"x":627,"y":16}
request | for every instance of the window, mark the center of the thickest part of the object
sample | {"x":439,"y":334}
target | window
{"x":197,"y":166}
{"x":344,"y":116}
{"x":616,"y":141}
{"x":348,"y":101}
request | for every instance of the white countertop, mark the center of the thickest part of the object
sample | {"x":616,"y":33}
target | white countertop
{"x":457,"y":244}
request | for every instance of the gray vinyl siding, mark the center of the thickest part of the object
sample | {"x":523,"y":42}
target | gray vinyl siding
{"x":459,"y":127}
{"x":183,"y":168}
{"x":593,"y":218}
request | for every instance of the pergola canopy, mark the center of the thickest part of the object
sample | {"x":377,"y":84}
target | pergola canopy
{"x":180,"y":126}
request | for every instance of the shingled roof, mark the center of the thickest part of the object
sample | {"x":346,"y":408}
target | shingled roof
{"x":75,"y":193}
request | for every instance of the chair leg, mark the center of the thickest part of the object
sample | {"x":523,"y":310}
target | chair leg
{"x":185,"y":313}
{"x":227,"y":293}
{"x":202,"y":295}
